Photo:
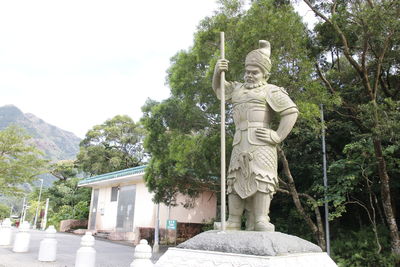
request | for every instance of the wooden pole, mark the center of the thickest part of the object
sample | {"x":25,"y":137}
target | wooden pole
{"x":223,"y":163}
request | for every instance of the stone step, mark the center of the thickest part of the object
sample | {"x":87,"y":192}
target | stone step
{"x":102,"y":234}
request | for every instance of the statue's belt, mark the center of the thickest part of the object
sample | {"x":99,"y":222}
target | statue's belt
{"x":244,"y":125}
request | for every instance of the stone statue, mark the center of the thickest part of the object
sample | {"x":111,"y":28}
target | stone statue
{"x":252,"y":175}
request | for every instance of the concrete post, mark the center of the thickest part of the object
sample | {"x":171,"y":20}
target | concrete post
{"x":142,"y":255}
{"x":21,"y":219}
{"x":156,"y":247}
{"x":86,"y":255}
{"x":22,"y":238}
{"x":48,"y":246}
{"x":5,"y":232}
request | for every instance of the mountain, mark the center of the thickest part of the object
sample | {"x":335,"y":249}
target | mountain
{"x":57,"y":144}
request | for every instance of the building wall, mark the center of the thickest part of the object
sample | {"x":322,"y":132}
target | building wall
{"x":200,"y":210}
{"x":145,"y":209}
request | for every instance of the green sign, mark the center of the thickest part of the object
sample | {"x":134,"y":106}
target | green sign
{"x":171,"y":224}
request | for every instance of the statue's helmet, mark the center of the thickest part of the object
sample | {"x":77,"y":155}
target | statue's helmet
{"x":260,"y":57}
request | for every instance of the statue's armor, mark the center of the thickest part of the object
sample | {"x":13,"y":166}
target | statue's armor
{"x":253,"y":165}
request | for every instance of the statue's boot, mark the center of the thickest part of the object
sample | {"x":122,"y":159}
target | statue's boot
{"x":262,"y":203}
{"x":236,"y":207}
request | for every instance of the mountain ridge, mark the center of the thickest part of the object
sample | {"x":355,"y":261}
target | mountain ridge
{"x":56,"y":143}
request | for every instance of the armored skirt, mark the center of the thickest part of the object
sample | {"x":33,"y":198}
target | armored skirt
{"x":253,"y":165}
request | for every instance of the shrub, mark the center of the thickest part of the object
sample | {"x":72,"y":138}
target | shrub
{"x":359,"y":249}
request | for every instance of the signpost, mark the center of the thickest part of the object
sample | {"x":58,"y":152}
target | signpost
{"x":171,"y":231}
{"x":171,"y":224}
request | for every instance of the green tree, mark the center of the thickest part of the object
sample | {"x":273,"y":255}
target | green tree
{"x":114,"y":145}
{"x":20,"y":161}
{"x":364,"y":36}
{"x":4,"y":211}
{"x":66,"y":200}
{"x":64,"y":169}
{"x":66,"y":193}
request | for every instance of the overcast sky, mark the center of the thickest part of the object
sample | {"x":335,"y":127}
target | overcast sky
{"x":78,"y":63}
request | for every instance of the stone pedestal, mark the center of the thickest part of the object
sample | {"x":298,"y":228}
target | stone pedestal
{"x":245,"y":248}
{"x":5,"y":233}
{"x":86,"y":254}
{"x":176,"y":257}
{"x":142,"y":255}
{"x":48,"y":246}
{"x":22,"y":238}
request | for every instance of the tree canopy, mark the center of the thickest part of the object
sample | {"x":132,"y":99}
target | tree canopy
{"x":64,"y":169}
{"x":66,"y":201}
{"x":114,"y":145}
{"x":20,"y":161}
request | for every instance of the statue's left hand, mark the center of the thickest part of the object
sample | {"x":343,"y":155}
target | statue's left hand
{"x":267,"y":135}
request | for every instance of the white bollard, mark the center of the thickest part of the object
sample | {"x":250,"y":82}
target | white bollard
{"x":22,"y":238}
{"x":142,"y":255}
{"x":48,"y":246}
{"x":86,"y":254}
{"x":5,"y":232}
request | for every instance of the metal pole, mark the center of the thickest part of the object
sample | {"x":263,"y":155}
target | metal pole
{"x":223,"y":164}
{"x":44,"y":222}
{"x":328,"y":242}
{"x":38,"y":204}
{"x":157,"y":230}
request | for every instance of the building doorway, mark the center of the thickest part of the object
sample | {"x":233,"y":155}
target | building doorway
{"x":126,"y":208}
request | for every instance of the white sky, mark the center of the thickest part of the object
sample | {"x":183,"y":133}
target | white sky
{"x":77,"y":63}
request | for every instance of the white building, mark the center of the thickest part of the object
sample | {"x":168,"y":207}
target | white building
{"x":121,"y":204}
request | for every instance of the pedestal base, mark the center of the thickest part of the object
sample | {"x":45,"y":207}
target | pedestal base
{"x":176,"y":257}
{"x":245,"y":249}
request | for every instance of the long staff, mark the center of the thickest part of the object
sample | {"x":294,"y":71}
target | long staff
{"x":223,"y":164}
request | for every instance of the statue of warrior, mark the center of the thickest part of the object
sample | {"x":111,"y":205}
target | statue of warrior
{"x":252,"y":177}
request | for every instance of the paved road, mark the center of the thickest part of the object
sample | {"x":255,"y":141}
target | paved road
{"x":108,"y":254}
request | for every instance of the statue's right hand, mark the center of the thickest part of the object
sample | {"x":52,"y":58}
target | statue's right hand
{"x":222,"y":65}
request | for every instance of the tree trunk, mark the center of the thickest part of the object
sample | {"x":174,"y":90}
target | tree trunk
{"x":386,"y":198}
{"x":317,"y":230}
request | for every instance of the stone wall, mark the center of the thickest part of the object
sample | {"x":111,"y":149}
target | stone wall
{"x":68,"y":225}
{"x":188,"y":230}
{"x":185,"y":232}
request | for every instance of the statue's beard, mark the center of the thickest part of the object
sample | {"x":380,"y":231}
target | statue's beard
{"x":254,"y":85}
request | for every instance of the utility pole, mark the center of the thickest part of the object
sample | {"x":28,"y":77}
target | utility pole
{"x":328,"y":242}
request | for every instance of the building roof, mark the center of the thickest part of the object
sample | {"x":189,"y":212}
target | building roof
{"x":113,"y":175}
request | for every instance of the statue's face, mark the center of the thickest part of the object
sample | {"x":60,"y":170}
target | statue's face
{"x":253,"y":75}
